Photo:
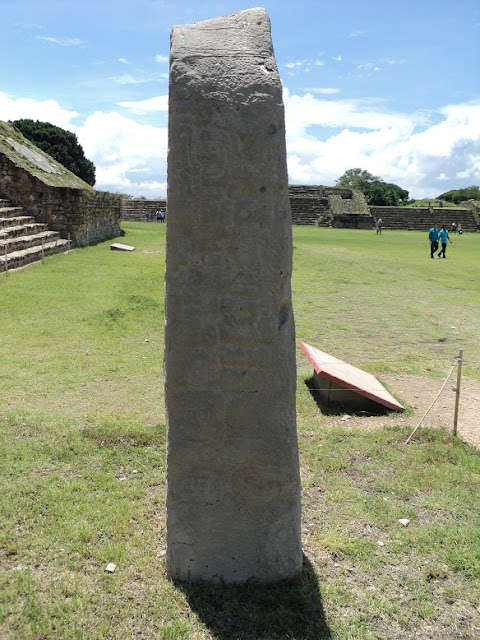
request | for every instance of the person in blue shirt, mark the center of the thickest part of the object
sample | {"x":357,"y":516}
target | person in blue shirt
{"x":443,"y":239}
{"x":433,"y":237}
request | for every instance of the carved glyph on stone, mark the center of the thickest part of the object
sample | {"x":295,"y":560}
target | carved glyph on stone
{"x":233,"y":485}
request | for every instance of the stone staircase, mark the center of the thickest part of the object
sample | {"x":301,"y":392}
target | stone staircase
{"x":421,"y":219}
{"x":22,"y":240}
{"x":310,"y":210}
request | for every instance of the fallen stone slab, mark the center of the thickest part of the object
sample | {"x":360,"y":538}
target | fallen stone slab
{"x":116,"y":246}
{"x":342,"y":383}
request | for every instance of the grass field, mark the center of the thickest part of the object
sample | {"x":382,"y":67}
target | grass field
{"x":82,"y":451}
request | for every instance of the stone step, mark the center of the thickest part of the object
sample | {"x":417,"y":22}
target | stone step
{"x":15,"y":221}
{"x":19,"y":259}
{"x":19,"y":243}
{"x":22,"y":230}
{"x":9,"y":211}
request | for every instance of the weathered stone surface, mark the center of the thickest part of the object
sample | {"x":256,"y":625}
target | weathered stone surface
{"x":233,"y":487}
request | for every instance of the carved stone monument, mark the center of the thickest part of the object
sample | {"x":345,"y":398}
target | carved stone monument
{"x":233,"y":485}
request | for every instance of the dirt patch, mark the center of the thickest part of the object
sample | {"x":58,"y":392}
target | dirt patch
{"x":419,"y":393}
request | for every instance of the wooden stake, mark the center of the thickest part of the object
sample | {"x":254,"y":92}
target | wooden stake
{"x":457,"y":391}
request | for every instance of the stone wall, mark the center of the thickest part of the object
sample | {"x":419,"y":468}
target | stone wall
{"x":31,"y":179}
{"x":310,"y":204}
{"x":474,"y":208}
{"x":329,"y":207}
{"x":137,"y":210}
{"x":421,"y":218}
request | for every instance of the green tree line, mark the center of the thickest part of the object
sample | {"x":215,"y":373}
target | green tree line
{"x":381,"y":193}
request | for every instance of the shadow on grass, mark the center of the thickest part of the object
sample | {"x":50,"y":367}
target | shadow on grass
{"x":336,"y":409}
{"x":291,"y":609}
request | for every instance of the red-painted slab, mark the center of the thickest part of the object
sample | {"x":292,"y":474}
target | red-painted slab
{"x":349,"y":377}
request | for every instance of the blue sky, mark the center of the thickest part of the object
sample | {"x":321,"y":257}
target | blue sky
{"x":392,"y":87}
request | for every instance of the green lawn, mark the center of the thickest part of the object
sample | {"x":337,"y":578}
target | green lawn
{"x":82,"y":453}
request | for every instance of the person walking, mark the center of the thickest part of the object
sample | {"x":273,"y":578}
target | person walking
{"x":379,"y":226}
{"x":443,"y":239}
{"x":433,"y":237}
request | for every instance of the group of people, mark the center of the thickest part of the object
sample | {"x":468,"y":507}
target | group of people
{"x":159,"y":216}
{"x":434,"y":235}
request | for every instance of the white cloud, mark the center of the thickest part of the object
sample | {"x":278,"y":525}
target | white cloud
{"x":159,"y":58}
{"x":123,"y":61}
{"x":304,"y":111}
{"x":130,"y":157}
{"x":63,"y":42}
{"x":393,"y":61}
{"x":402,"y":148}
{"x":368,"y":67}
{"x":357,"y":33}
{"x":325,"y":136}
{"x":159,"y":103}
{"x":127,"y":78}
{"x":303,"y":66}
{"x":296,"y":65}
{"x":326,"y":91}
{"x":46,"y":110}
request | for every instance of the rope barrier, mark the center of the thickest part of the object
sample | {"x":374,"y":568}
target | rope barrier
{"x":436,"y":398}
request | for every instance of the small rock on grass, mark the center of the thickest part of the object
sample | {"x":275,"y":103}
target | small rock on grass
{"x":404,"y":522}
{"x":111,"y":566}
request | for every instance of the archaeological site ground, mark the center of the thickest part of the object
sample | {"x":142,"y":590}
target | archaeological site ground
{"x":83,"y":449}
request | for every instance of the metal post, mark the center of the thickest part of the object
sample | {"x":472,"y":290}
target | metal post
{"x":457,"y":391}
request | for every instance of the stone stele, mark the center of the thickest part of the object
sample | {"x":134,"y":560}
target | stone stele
{"x":233,"y":483}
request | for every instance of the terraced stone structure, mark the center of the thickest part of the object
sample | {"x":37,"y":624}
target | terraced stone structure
{"x":22,"y":240}
{"x":422,"y":219}
{"x":46,"y":193}
{"x":233,"y":485}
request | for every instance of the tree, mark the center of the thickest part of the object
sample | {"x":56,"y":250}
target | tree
{"x":459,"y":195}
{"x":385,"y":194}
{"x":357,"y":179}
{"x":62,"y":145}
{"x":376,"y":191}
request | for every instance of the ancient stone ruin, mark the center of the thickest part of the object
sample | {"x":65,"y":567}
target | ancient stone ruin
{"x":233,"y":485}
{"x":43,"y":193}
